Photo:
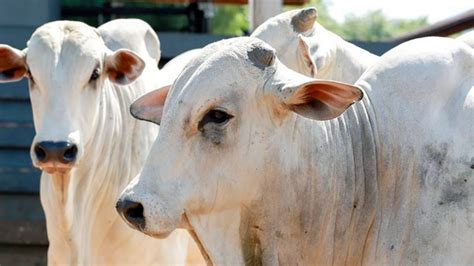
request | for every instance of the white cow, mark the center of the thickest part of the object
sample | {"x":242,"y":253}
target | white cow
{"x":267,"y":166}
{"x":170,"y":70}
{"x":306,"y":47}
{"x":468,"y":38}
{"x":88,"y":146}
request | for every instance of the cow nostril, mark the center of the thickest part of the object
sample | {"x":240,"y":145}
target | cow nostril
{"x":40,"y":153}
{"x":70,"y":153}
{"x":135,"y":212}
{"x":132,"y":211}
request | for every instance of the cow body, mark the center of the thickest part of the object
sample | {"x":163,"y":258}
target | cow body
{"x":171,"y":70}
{"x":467,"y":38}
{"x":306,"y":47}
{"x":390,"y":181}
{"x":423,"y":104}
{"x":79,"y":198}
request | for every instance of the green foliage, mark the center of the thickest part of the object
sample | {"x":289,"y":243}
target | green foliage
{"x":372,"y":26}
{"x":230,"y":20}
{"x":323,"y":15}
{"x":408,"y":25}
{"x":375,"y":26}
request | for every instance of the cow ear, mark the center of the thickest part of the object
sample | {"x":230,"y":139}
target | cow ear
{"x":124,"y":66}
{"x":305,"y":53}
{"x":150,"y":106}
{"x":12,"y":64}
{"x":320,"y":99}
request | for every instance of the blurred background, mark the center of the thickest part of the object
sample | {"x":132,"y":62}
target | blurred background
{"x":363,"y":20}
{"x":181,"y":25}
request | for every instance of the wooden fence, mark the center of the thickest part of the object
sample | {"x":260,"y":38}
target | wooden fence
{"x":22,"y":227}
{"x":23,"y":238}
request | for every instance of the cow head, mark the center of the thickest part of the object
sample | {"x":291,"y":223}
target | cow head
{"x":300,"y":42}
{"x":69,"y":68}
{"x":221,"y":133}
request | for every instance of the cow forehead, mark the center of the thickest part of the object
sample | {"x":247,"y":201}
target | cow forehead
{"x":220,"y":67}
{"x":63,"y":50}
{"x":76,"y":37}
{"x":220,"y":74}
{"x":211,"y":84}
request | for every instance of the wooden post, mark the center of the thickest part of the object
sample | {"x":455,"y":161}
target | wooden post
{"x":261,"y":10}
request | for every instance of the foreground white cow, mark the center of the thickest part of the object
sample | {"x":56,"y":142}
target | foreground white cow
{"x":467,"y":38}
{"x":86,"y":142}
{"x":260,"y":163}
{"x":306,"y":47}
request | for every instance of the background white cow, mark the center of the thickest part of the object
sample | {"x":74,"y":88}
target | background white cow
{"x":89,"y":147}
{"x":261,"y":156}
{"x":468,"y":38}
{"x":306,"y":47}
{"x":171,"y":70}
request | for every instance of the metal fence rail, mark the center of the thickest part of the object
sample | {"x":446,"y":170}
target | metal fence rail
{"x":442,"y":28}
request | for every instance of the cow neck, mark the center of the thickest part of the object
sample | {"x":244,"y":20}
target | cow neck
{"x":319,"y":203}
{"x":60,"y":186}
{"x":59,"y":191}
{"x":355,"y":141}
{"x":110,"y":161}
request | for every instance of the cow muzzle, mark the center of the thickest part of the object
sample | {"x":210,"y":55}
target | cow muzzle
{"x":132,"y":213}
{"x":55,"y":156}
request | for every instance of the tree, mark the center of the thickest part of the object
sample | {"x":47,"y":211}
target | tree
{"x":372,"y":26}
{"x":324,"y":18}
{"x":230,"y":20}
{"x":375,"y":26}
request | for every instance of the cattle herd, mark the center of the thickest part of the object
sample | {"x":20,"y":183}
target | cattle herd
{"x":291,"y":146}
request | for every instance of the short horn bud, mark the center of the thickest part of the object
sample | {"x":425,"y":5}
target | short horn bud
{"x":304,"y":19}
{"x":261,"y":55}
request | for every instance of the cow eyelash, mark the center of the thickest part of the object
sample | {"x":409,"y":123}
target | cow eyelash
{"x":95,"y":74}
{"x":214,"y":116}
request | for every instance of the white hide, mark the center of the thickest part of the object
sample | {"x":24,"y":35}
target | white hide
{"x":468,"y":38}
{"x":83,"y":226}
{"x":389,"y":182}
{"x":315,"y":52}
{"x":124,"y":33}
{"x":171,"y":70}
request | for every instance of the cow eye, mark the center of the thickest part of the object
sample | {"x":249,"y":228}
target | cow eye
{"x":95,"y":74}
{"x":214,"y":116}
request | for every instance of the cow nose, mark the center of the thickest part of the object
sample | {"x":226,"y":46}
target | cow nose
{"x":63,"y":152}
{"x":132,"y":212}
